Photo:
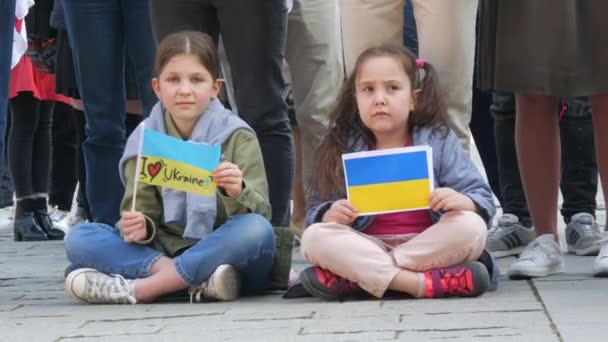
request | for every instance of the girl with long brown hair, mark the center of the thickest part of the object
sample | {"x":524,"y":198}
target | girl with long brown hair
{"x":393,"y":100}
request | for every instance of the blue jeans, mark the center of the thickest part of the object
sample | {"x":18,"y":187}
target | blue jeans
{"x":7,"y":16}
{"x":253,"y":33}
{"x":410,"y":34}
{"x":245,"y":241}
{"x":98,"y":31}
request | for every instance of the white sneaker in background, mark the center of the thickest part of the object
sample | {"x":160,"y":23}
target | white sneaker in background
{"x":600,"y":265}
{"x":583,"y":235}
{"x":57,"y":216}
{"x":541,"y":258}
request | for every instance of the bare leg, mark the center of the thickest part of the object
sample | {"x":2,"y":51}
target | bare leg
{"x":163,"y":279}
{"x":538,"y":155}
{"x":408,"y":282}
{"x":599,"y":109}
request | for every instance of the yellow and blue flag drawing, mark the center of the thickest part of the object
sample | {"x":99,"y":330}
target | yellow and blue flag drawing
{"x":177,"y":164}
{"x":392,"y":180}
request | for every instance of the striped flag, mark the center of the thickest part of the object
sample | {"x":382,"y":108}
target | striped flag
{"x":391,"y":180}
{"x":173,"y":163}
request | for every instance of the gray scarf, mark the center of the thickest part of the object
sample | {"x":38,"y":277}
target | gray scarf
{"x":195,"y":212}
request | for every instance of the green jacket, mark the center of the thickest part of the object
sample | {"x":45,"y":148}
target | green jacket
{"x":241,"y":148}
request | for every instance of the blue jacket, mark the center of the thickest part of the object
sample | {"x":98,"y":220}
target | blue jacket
{"x":452,"y":168}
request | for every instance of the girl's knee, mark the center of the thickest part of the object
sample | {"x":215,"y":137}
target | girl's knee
{"x":319,"y":235}
{"x":82,"y":237}
{"x":258,"y":227}
{"x":470,"y":225}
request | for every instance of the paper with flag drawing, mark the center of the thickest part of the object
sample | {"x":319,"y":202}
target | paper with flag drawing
{"x":391,"y":180}
{"x":177,"y":164}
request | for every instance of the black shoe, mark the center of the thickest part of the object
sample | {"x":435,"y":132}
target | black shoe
{"x":43,"y":219}
{"x":25,"y":228}
{"x":46,"y":224}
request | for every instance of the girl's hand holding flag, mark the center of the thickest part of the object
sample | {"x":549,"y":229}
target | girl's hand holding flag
{"x":229,"y":177}
{"x":133,"y":226}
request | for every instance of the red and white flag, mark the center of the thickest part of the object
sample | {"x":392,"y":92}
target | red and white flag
{"x":20,"y":34}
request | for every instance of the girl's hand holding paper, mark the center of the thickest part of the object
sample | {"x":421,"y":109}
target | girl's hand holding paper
{"x":341,"y":211}
{"x":448,"y":199}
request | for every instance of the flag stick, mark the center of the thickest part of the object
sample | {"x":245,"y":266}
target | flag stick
{"x":138,"y":165}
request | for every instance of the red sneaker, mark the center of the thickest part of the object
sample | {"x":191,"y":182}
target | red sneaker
{"x":327,"y":285}
{"x":470,"y":279}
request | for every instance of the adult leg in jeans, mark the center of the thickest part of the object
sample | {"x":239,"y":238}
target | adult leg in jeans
{"x":314,"y":55}
{"x":97,"y":34}
{"x":250,"y":252}
{"x":513,"y":198}
{"x":7,"y":18}
{"x":579,"y":166}
{"x":255,"y":56}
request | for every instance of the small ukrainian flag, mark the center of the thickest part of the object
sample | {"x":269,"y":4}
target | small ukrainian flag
{"x":390,"y":180}
{"x":173,"y":163}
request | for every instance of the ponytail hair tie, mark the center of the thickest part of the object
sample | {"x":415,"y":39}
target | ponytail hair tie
{"x":420,"y":63}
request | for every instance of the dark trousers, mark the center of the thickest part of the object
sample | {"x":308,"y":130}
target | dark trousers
{"x":29,"y":144}
{"x":7,"y":18}
{"x":253,"y":33}
{"x":98,"y":31}
{"x":65,"y":159}
{"x":579,"y":168}
{"x":6,"y":182}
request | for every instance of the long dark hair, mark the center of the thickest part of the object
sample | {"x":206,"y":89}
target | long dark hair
{"x":346,"y":128}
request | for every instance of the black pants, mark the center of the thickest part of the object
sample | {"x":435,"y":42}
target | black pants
{"x":579,"y":169}
{"x":67,"y":137}
{"x":481,"y":129}
{"x":29,"y":144}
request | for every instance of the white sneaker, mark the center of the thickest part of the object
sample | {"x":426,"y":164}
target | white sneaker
{"x":91,"y":286}
{"x":541,"y":258}
{"x":224,"y":284}
{"x":70,"y":221}
{"x":583,"y":235}
{"x":57,"y":217}
{"x":600,"y":265}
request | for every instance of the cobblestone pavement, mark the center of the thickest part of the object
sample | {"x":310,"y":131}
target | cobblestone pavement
{"x":34,"y":307}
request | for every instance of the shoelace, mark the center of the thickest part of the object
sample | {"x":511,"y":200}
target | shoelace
{"x":116,"y":289}
{"x":330,"y":279}
{"x":500,"y":230}
{"x":587,"y":231}
{"x":536,"y":250}
{"x":197,"y":292}
{"x":454,"y":282}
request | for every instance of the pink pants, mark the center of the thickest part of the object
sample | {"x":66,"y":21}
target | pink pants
{"x":373,"y":261}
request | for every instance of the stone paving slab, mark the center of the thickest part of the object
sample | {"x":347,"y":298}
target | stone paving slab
{"x":34,"y":307}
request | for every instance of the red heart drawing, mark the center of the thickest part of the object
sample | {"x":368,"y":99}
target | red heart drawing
{"x":154,"y":169}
